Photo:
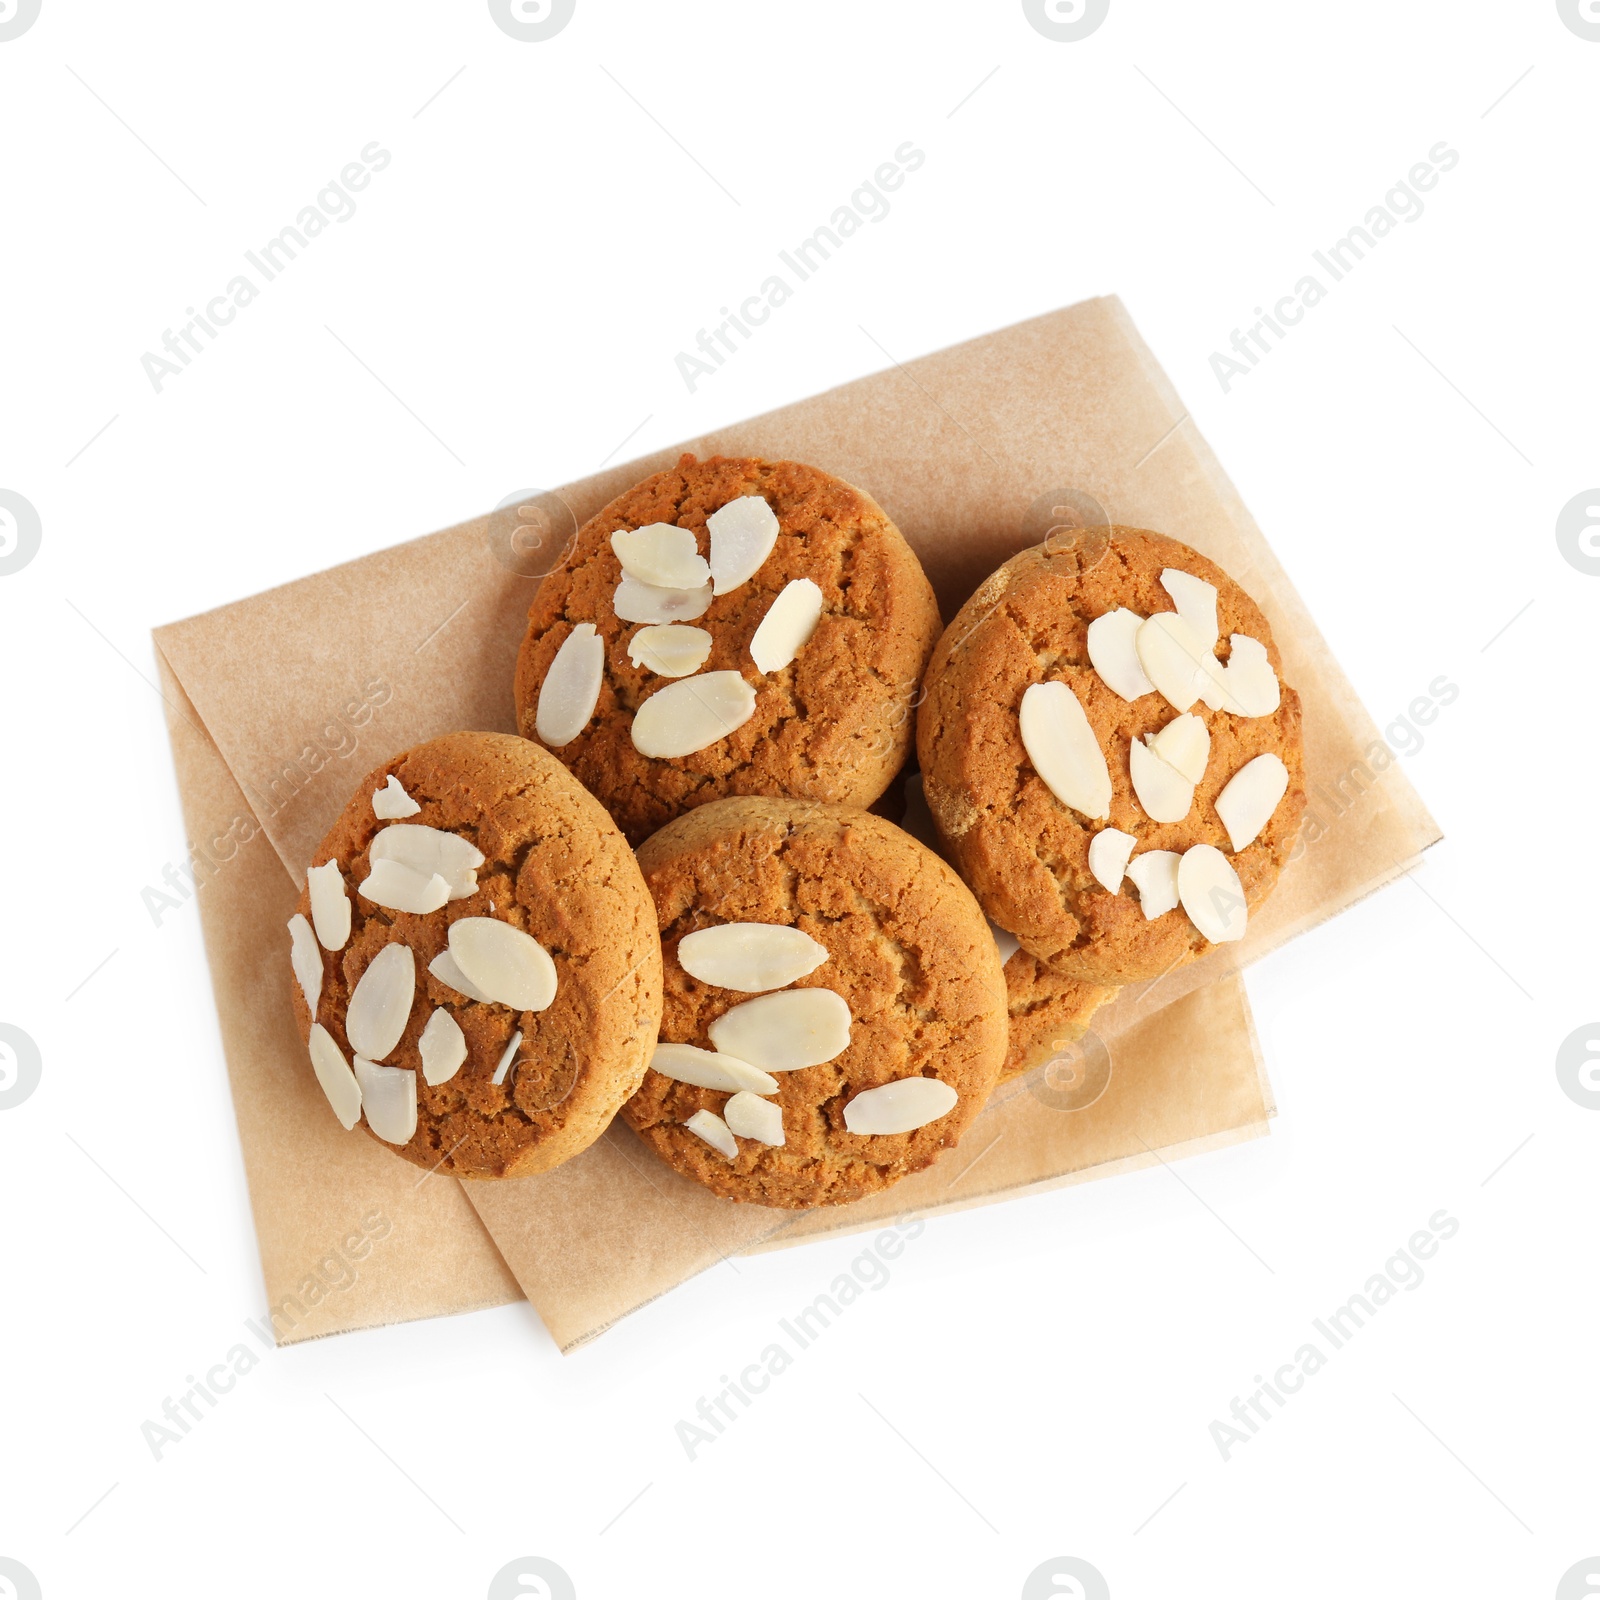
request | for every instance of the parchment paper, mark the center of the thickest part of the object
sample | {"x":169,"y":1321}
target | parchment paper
{"x":281,"y":702}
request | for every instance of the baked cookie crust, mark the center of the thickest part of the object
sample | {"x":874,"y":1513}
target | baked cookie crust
{"x":555,"y":867}
{"x":908,"y":950}
{"x":835,"y":724}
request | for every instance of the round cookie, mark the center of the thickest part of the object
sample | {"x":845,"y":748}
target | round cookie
{"x":834,"y":724}
{"x":1046,"y":1011}
{"x":1024,"y":851}
{"x":908,"y":951}
{"x":552,"y":865}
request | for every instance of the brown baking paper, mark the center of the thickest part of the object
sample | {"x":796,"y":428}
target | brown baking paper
{"x":280,"y":703}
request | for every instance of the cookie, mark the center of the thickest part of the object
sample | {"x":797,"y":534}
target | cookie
{"x":869,"y":996}
{"x":478,"y":972}
{"x":729,"y":627}
{"x":1047,"y":1012}
{"x":1113,"y":859}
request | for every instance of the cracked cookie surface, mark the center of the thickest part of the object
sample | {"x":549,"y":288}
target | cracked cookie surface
{"x":555,"y":867}
{"x":908,"y":950}
{"x":835,"y":724}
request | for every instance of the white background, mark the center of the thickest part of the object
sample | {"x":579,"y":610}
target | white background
{"x":503,"y":310}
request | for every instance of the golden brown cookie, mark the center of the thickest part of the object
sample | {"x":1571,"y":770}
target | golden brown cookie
{"x":882,"y":923}
{"x":481,"y":857}
{"x":1025,"y":850}
{"x":1046,"y":1011}
{"x":834,"y":723}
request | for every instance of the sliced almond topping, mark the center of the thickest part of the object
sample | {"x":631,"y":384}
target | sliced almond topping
{"x":710,"y":1069}
{"x":644,"y":602}
{"x":330,"y":905}
{"x":1185,"y":745}
{"x":1196,"y":601}
{"x":743,"y":533}
{"x":670,"y":648}
{"x":692,"y":714}
{"x":443,"y":1046}
{"x":752,"y":956}
{"x":507,"y":1056}
{"x":571,"y":687}
{"x":661,"y":555}
{"x":1252,"y":795}
{"x":1211,"y":893}
{"x":389,"y":1098}
{"x":1063,"y":749}
{"x":1115,"y":656}
{"x":786,"y":629}
{"x":1175,"y":659}
{"x":429,"y":850}
{"x":751,"y":1117}
{"x":381,"y":1002}
{"x":503,"y":962}
{"x":392,"y":801}
{"x":899,"y":1107}
{"x":306,"y":959}
{"x":395,"y":885}
{"x":1108,"y":857}
{"x":715,"y":1132}
{"x":779,"y":1032}
{"x":1246,"y":686}
{"x":334,"y":1074}
{"x":1164,"y":792}
{"x":443,"y":967}
{"x":1155,"y":875}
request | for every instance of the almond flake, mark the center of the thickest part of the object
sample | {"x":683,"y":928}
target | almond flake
{"x":783,"y":1031}
{"x":1164,"y":792}
{"x":334,"y":1074}
{"x":692,"y":714}
{"x":389,"y":1098}
{"x":899,"y":1107}
{"x":1108,"y":857}
{"x":751,"y":1117}
{"x":786,"y":629}
{"x":644,"y":602}
{"x":1246,"y":685}
{"x":443,"y":967}
{"x":1184,"y":744}
{"x":1252,"y":795}
{"x":306,"y":959}
{"x":710,"y":1069}
{"x":1175,"y":659}
{"x":1155,"y":875}
{"x":1196,"y":601}
{"x":661,"y":555}
{"x":503,"y":962}
{"x":443,"y":1046}
{"x":1211,"y":893}
{"x":1063,"y":749}
{"x":381,"y":1002}
{"x":751,"y":956}
{"x":330,"y":905}
{"x":714,"y":1131}
{"x":670,"y":648}
{"x":398,"y":888}
{"x":507,"y":1056}
{"x":429,"y":850}
{"x":571,"y":687}
{"x":392,"y":801}
{"x":743,"y":533}
{"x":1115,"y":656}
